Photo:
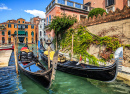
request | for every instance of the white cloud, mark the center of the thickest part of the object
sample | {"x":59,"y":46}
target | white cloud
{"x":34,"y":12}
{"x":3,"y":7}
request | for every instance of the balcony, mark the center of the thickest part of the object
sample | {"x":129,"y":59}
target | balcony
{"x":21,"y":35}
{"x":21,"y":28}
{"x":68,"y":3}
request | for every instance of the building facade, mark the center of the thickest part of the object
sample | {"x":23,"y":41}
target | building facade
{"x":36,"y":21}
{"x":107,"y":4}
{"x":58,"y":7}
{"x":41,"y":32}
{"x":24,"y":31}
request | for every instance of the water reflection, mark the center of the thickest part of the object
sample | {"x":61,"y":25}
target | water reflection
{"x":115,"y":87}
{"x":10,"y":82}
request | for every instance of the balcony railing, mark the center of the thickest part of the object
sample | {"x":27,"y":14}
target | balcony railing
{"x":68,"y":3}
{"x":21,"y":35}
{"x":21,"y":28}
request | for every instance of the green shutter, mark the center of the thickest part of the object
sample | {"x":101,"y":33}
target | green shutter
{"x":21,"y":32}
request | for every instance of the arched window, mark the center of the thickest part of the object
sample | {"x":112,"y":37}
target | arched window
{"x":26,"y":33}
{"x":3,"y":33}
{"x":9,"y":33}
{"x":32,"y":33}
{"x":15,"y":32}
{"x":40,"y":33}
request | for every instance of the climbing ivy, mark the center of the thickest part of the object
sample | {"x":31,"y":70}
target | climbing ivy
{"x":60,"y":24}
{"x":82,"y":41}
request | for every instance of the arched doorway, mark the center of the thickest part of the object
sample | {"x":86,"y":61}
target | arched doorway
{"x":21,"y":39}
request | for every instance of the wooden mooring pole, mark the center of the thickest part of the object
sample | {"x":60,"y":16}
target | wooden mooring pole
{"x":15,"y":52}
{"x":48,"y":42}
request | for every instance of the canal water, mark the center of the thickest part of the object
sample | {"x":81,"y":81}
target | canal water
{"x":64,"y":83}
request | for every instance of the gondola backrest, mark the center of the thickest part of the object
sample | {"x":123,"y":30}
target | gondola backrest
{"x":119,"y":53}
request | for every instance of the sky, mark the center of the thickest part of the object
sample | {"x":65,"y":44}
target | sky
{"x":26,"y":9}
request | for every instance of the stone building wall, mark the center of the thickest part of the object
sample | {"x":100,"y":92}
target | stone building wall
{"x":114,"y":24}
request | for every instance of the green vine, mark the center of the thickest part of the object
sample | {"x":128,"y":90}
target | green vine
{"x":82,"y":41}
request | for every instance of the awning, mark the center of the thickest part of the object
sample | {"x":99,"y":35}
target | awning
{"x":21,"y":32}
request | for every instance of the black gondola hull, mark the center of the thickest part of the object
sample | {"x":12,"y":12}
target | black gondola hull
{"x":44,"y":81}
{"x":88,"y":71}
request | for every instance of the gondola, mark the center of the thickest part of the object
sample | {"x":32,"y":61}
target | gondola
{"x":31,"y":67}
{"x":106,"y":73}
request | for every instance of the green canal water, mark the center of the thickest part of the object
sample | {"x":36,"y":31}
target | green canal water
{"x":70,"y":84}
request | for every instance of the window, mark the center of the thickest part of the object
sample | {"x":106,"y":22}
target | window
{"x":49,"y":18}
{"x":26,"y":26}
{"x":9,"y":40}
{"x":3,"y":40}
{"x":26,"y":33}
{"x":3,"y":33}
{"x":61,"y":1}
{"x":32,"y":40}
{"x":15,"y":32}
{"x":110,"y":8}
{"x":18,"y":21}
{"x":19,"y":26}
{"x":23,"y":21}
{"x":44,"y":33}
{"x":40,"y":26}
{"x":9,"y":33}
{"x":109,"y":2}
{"x":9,"y":25}
{"x":15,"y":26}
{"x":32,"y":33}
{"x":32,"y":26}
{"x":40,"y":33}
{"x":83,"y":17}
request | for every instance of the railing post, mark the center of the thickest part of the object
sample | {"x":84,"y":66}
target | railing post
{"x":81,"y":6}
{"x":88,"y":8}
{"x":74,"y":4}
{"x":65,"y":2}
{"x":56,"y":1}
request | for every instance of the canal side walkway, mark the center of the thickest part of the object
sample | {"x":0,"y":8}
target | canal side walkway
{"x":5,"y":57}
{"x":123,"y":73}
